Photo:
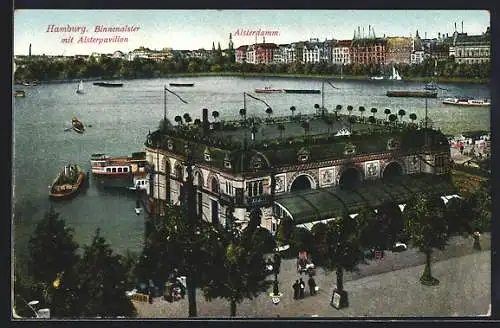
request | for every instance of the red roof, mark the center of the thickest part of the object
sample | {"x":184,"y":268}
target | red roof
{"x":266,"y":45}
{"x":242,"y":48}
{"x":345,"y":43}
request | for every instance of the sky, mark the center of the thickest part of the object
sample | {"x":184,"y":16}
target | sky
{"x":195,"y":29}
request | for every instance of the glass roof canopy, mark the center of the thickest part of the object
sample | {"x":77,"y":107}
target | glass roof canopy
{"x":325,"y":203}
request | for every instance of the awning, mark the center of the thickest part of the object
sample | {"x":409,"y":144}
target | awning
{"x":325,"y":203}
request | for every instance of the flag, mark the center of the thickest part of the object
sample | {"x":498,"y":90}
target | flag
{"x":176,"y":95}
{"x":257,"y":99}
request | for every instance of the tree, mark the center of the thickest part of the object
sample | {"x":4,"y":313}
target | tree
{"x":52,"y":262}
{"x":102,"y":279}
{"x":269,"y":111}
{"x":339,"y":247}
{"x":306,"y":126}
{"x":52,"y":248}
{"x":401,"y":113}
{"x":393,"y":118}
{"x":413,"y":117}
{"x":459,"y":215}
{"x":237,"y":269}
{"x":284,"y":231}
{"x":362,"y":110}
{"x":243,"y":113}
{"x":178,"y":119}
{"x":349,"y":109}
{"x":292,"y":109}
{"x":425,"y":225}
{"x":301,"y":239}
{"x":338,"y":108}
{"x":281,"y":128}
{"x":187,"y":118}
{"x":215,"y":114}
{"x":373,"y":111}
{"x":387,"y":112}
{"x":254,"y":129}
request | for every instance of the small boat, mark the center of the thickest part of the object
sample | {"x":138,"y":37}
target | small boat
{"x":67,"y":182}
{"x":79,"y":89}
{"x":418,"y":94}
{"x":302,"y":91}
{"x":77,"y":125}
{"x":467,"y":101}
{"x":19,"y":93}
{"x":376,"y":78}
{"x":108,"y":84}
{"x":269,"y":90}
{"x":181,"y":84}
{"x":121,"y":166}
{"x":31,"y":84}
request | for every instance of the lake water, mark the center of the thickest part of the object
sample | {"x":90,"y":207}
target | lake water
{"x":122,"y":117}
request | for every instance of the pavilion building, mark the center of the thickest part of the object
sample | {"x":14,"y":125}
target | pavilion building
{"x":310,"y":168}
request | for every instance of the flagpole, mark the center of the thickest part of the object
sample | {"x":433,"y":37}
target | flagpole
{"x":323,"y":94}
{"x":165,"y":102}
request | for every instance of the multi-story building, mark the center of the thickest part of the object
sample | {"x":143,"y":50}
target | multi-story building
{"x":264,"y":52}
{"x":241,"y":54}
{"x":312,"y":52}
{"x":317,"y":177}
{"x":279,"y":55}
{"x":417,"y":50}
{"x":398,"y":50}
{"x":471,"y":49}
{"x":368,"y":51}
{"x":290,"y":53}
{"x":327,"y":54}
{"x":341,"y":52}
{"x":251,"y":54}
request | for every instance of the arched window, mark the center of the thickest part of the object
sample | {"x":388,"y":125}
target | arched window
{"x":179,"y":172}
{"x":214,"y":185}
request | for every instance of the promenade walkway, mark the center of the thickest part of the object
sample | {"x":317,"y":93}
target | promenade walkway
{"x":389,"y":288}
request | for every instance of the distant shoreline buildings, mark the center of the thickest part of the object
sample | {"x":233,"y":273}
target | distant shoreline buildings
{"x":362,"y":49}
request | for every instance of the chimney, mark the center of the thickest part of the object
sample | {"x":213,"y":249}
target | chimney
{"x":455,"y":26}
{"x":462,"y":27}
{"x":204,"y":122}
{"x":29,"y":54}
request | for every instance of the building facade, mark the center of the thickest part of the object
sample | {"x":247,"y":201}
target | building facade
{"x":471,"y":49}
{"x":233,"y":172}
{"x":341,"y":52}
{"x":368,"y":51}
{"x":241,"y":54}
{"x":399,"y":50}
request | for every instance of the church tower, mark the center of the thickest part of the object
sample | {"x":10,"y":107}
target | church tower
{"x":230,"y":45}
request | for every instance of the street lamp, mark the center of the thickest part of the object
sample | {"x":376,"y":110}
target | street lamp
{"x":275,"y":294}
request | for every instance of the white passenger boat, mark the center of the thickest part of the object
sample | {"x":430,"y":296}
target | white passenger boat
{"x":467,"y":101}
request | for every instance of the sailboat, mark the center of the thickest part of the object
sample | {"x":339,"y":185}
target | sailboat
{"x":79,"y":89}
{"x":395,"y":75}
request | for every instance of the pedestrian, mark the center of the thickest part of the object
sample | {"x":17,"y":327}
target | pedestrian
{"x":296,"y":287}
{"x":312,"y":286}
{"x":302,"y":288}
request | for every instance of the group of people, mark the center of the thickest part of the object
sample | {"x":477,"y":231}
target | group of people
{"x":299,"y":288}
